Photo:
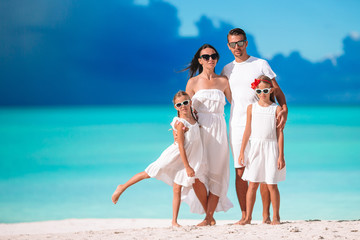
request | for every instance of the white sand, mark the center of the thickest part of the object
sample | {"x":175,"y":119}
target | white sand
{"x":143,"y":229}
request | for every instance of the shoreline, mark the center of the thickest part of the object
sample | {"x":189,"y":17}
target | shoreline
{"x":161,"y":229}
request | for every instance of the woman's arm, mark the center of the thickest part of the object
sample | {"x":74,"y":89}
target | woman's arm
{"x":181,"y":140}
{"x":280,"y":138}
{"x":190,"y":87}
{"x":227,"y":91}
{"x":246,"y":135}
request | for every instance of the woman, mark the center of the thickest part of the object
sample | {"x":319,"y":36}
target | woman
{"x":208,"y":91}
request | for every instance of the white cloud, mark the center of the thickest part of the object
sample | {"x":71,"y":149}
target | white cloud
{"x":355,"y":36}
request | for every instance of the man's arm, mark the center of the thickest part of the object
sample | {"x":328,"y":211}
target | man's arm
{"x":280,"y":97}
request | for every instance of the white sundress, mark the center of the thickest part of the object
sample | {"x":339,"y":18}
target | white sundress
{"x":170,"y":169}
{"x":261,"y":160}
{"x":209,"y":104}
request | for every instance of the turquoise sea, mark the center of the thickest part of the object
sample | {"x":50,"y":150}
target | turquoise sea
{"x":60,"y":163}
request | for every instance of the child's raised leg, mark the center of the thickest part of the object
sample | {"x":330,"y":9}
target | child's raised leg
{"x":275,"y":201}
{"x":265,"y":197}
{"x":121,"y":188}
{"x":250,"y":201}
{"x":176,"y":204}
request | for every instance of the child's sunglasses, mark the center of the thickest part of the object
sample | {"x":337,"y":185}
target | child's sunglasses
{"x":185,"y":103}
{"x":265,"y":90}
{"x":207,"y":56}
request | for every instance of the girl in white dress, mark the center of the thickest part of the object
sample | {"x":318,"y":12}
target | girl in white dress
{"x":208,"y":91}
{"x":262,"y":149}
{"x":181,"y":164}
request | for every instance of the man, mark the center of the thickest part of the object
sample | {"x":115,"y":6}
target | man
{"x":241,"y":73}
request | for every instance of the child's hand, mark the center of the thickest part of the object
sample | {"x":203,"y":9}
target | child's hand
{"x":281,"y":163}
{"x":190,"y":172}
{"x":241,"y":160}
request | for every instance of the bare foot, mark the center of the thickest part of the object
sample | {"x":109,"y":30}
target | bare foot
{"x":238,"y":222}
{"x":175,"y":224}
{"x":212,"y":222}
{"x":245,"y":221}
{"x":119,"y":190}
{"x":203,"y":223}
{"x":275,"y":222}
{"x":267,"y":220}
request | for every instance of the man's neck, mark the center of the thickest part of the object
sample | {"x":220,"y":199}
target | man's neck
{"x":242,"y":58}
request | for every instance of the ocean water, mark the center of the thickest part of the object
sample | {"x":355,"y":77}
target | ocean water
{"x":60,"y":163}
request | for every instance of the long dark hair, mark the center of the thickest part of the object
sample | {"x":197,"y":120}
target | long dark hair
{"x":194,"y":65}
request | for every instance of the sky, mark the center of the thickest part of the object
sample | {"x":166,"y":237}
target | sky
{"x":315,"y":28}
{"x":86,"y":52}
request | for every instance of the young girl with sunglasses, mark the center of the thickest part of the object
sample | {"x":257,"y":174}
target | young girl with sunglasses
{"x":180,"y":165}
{"x":262,"y":149}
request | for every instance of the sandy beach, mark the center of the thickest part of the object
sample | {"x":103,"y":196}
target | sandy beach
{"x":160,"y":229}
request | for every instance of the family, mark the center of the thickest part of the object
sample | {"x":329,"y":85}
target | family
{"x":197,"y":165}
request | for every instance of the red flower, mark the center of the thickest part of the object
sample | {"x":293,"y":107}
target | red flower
{"x":255,"y":83}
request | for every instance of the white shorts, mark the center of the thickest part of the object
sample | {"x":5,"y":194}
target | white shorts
{"x":236,"y":135}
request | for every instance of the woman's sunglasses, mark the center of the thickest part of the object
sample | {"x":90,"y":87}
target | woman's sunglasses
{"x":265,"y":90}
{"x":239,"y":43}
{"x":207,"y":56}
{"x":185,"y":103}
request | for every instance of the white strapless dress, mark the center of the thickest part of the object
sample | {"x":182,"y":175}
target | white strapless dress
{"x":209,"y":104}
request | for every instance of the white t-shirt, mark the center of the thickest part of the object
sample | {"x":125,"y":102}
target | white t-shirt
{"x":240,"y":76}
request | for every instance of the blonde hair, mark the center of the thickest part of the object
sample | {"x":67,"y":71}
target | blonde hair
{"x":179,"y":94}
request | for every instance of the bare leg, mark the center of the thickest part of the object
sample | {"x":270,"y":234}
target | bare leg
{"x":176,"y":204}
{"x":121,"y":188}
{"x":241,"y":189}
{"x":265,"y":197}
{"x":213,"y":201}
{"x":211,"y":206}
{"x":201,"y":193}
{"x":275,"y":200}
{"x":250,"y":201}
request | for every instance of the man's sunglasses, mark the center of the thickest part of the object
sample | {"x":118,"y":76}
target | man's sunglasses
{"x":185,"y":103}
{"x":265,"y":90}
{"x":239,"y":43}
{"x":207,"y":56}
